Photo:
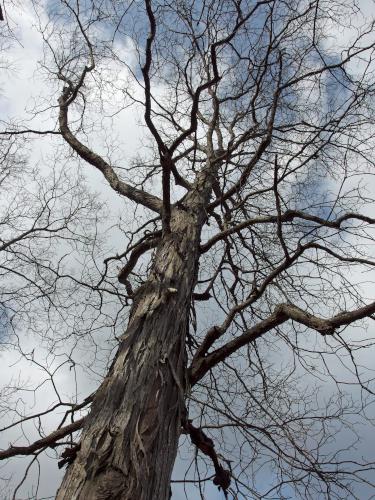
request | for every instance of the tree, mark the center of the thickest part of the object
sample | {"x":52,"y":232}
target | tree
{"x":251,"y":226}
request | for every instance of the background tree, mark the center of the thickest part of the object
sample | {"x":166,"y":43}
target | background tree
{"x":242,"y":262}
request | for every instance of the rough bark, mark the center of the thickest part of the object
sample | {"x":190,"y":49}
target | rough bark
{"x":129,"y":441}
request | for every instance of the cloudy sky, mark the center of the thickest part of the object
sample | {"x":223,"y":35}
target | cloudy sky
{"x":18,"y":88}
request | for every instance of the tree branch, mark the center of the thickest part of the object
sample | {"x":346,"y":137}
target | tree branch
{"x":45,"y":442}
{"x":146,"y":199}
{"x":287,"y":216}
{"x":138,"y":250}
{"x":207,"y":447}
{"x":283,"y":312}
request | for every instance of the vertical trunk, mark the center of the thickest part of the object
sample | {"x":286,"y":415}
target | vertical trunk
{"x":129,"y":441}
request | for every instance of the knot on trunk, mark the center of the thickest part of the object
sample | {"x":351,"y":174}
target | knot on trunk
{"x":69,"y":455}
{"x":326,"y":330}
{"x":222,"y":478}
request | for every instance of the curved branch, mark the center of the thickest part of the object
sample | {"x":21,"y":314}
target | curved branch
{"x":142,"y":197}
{"x":138,"y":250}
{"x":215,"y":332}
{"x":283,"y":312}
{"x":206,"y":445}
{"x":288,"y":216}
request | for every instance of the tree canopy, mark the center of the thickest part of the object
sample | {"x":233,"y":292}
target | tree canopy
{"x":193,"y":181}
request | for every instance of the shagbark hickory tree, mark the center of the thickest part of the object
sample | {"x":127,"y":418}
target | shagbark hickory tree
{"x":248,"y":258}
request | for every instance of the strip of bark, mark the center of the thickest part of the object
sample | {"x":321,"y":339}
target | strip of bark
{"x":207,"y":447}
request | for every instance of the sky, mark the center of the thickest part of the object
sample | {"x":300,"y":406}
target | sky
{"x":17,"y":89}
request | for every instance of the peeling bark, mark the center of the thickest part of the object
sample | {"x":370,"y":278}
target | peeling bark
{"x":129,"y":440}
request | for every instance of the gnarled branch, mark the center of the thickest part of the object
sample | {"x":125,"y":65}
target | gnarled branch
{"x":283,"y":312}
{"x":137,"y":195}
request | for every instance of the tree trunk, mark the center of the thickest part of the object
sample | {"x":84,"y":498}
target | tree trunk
{"x":129,"y":441}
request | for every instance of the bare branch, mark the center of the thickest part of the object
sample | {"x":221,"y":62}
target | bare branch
{"x":47,"y":441}
{"x":282,"y":313}
{"x":147,"y":200}
{"x":287,"y":216}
